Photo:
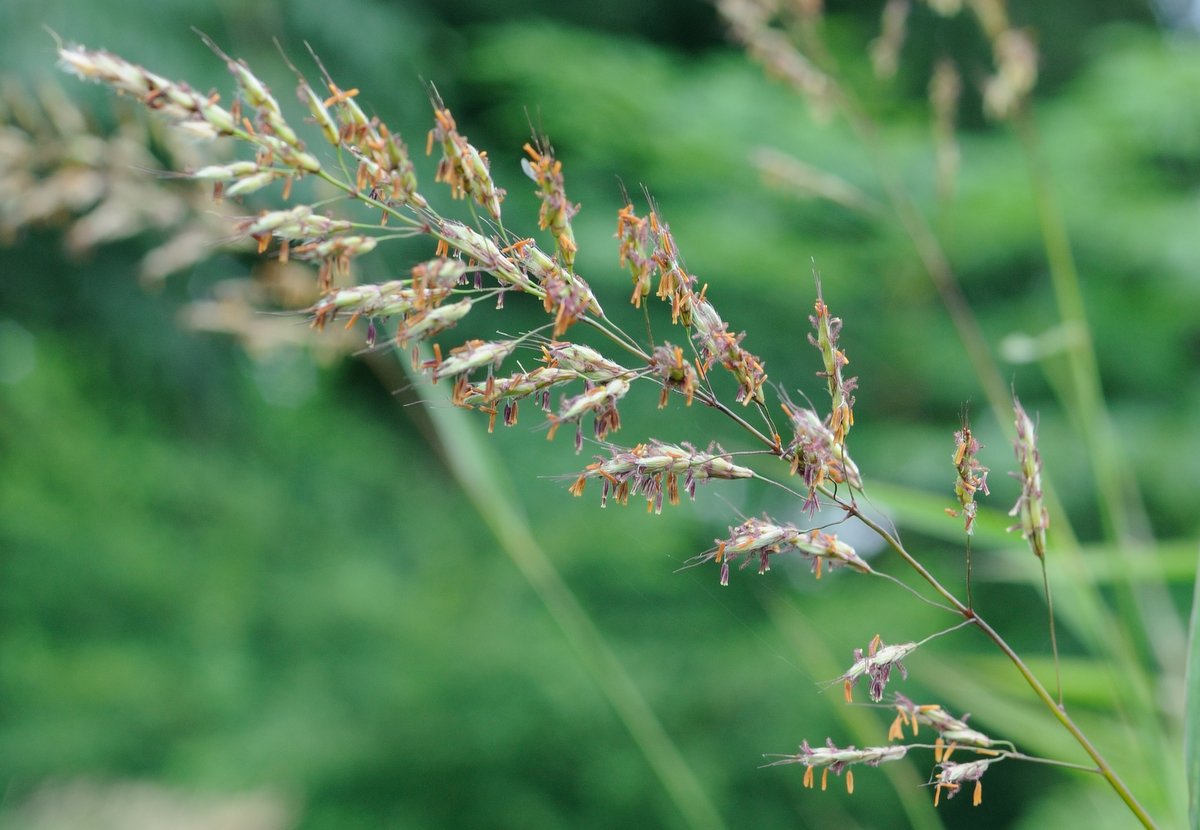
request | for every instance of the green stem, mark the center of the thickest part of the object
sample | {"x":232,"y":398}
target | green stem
{"x":471,"y":463}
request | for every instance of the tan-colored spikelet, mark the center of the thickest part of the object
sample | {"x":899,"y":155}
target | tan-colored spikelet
{"x":556,"y":211}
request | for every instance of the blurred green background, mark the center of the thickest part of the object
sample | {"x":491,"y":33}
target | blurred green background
{"x":242,"y":575}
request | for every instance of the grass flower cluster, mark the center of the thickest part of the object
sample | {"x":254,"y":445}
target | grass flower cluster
{"x":479,"y":263}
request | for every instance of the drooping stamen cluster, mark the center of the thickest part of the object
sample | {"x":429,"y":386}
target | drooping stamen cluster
{"x":599,"y":400}
{"x":841,"y":416}
{"x":951,"y":730}
{"x":557,"y":211}
{"x":757,"y":540}
{"x":668,"y":365}
{"x":462,"y":166}
{"x":952,"y":775}
{"x":972,"y":476}
{"x":816,"y":454}
{"x":1034,"y":520}
{"x":835,"y":759}
{"x":877,"y":664}
{"x":654,"y":468}
{"x":511,"y":390}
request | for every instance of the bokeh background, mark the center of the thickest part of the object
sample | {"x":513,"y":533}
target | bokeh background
{"x":240,"y":587}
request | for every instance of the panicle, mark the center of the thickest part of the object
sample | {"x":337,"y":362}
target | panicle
{"x":636,"y":250}
{"x":601,"y":401}
{"x":972,"y":476}
{"x":372,"y":300}
{"x":270,"y":117}
{"x":654,"y":468}
{"x":583,"y":360}
{"x":816,"y":455}
{"x":334,"y":254}
{"x":471,"y":355}
{"x":298,"y":223}
{"x":438,"y":275}
{"x":715,"y":343}
{"x":177,"y":101}
{"x":385,"y":169}
{"x":750,"y":24}
{"x":427,"y":322}
{"x":556,"y":211}
{"x":841,"y":416}
{"x":486,"y":253}
{"x":945,"y":89}
{"x":877,"y":664}
{"x":757,"y":540}
{"x":462,"y":167}
{"x":668,"y":365}
{"x":564,"y":293}
{"x":1034,"y":520}
{"x":952,"y":775}
{"x":950,"y":730}
{"x":838,"y":759}
{"x":511,"y":390}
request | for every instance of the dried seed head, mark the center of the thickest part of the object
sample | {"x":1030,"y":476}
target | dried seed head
{"x":1016,"y":73}
{"x":653,"y":469}
{"x":885,"y":50}
{"x":877,"y":664}
{"x":945,"y":88}
{"x":1030,"y":508}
